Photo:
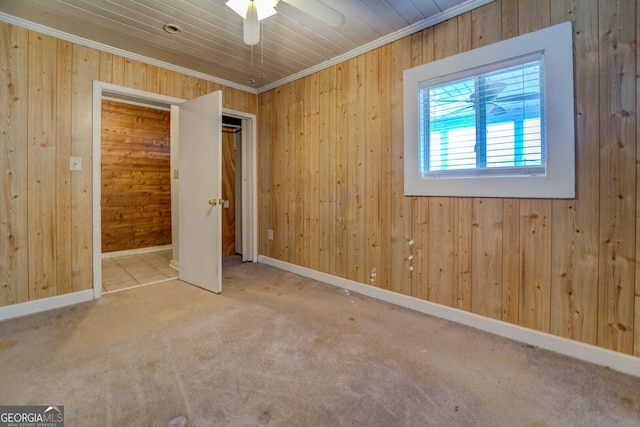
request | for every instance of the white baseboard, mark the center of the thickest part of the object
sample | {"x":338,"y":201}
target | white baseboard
{"x":45,"y":304}
{"x":589,"y":353}
{"x":136,"y":251}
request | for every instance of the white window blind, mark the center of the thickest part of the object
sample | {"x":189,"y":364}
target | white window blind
{"x":486,"y":120}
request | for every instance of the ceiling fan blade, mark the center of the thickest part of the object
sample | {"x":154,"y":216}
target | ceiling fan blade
{"x":497,"y":110}
{"x":318,"y":10}
{"x":459,"y":110}
{"x":519,"y":97}
{"x":493,"y":89}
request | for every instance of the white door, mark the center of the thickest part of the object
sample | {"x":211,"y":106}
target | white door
{"x":200,"y":191}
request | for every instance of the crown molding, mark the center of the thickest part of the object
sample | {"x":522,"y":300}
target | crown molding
{"x":389,"y":38}
{"x":10,"y":19}
{"x":397,"y":35}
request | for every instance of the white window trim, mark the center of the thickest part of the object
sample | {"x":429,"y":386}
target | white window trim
{"x":559,"y":182}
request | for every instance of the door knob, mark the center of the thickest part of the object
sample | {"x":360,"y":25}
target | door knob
{"x":213,"y":202}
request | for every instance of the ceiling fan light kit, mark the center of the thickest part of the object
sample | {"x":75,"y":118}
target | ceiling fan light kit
{"x":254,"y":11}
{"x":264,"y":8}
{"x":251,"y":26}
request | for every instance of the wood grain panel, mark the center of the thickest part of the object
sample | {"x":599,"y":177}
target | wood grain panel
{"x":41,"y":170}
{"x":342,"y":161}
{"x":86,"y":68}
{"x":484,"y":31}
{"x":312,"y":180}
{"x":327,"y":170}
{"x":401,"y":206}
{"x":441,"y":249}
{"x":636,"y":328}
{"x":487,"y":258}
{"x":617,"y":38}
{"x":574,"y":280}
{"x":535,"y":264}
{"x":533,"y":15}
{"x":63,"y":175}
{"x":106,"y":67}
{"x":299,"y":164}
{"x":14,"y":83}
{"x":278,"y":207}
{"x":462,"y":255}
{"x":383,"y":273}
{"x":164,"y":85}
{"x":356,"y":175}
{"x":373,"y":162}
{"x":228,"y":192}
{"x":288,"y":197}
{"x":511,"y":277}
{"x":136,"y":177}
{"x":118,"y":64}
{"x":509,"y":18}
{"x":266,"y":172}
{"x":135,"y":74}
{"x":467,"y":26}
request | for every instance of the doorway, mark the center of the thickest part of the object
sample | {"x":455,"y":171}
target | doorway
{"x":245,"y":214}
{"x":136,"y":195}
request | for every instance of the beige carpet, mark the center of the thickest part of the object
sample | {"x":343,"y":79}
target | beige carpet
{"x":277,"y":349}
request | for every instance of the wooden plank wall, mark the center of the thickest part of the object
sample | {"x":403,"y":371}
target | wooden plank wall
{"x":136,"y":177}
{"x":229,"y":191}
{"x":566,"y":267}
{"x":46,"y":89}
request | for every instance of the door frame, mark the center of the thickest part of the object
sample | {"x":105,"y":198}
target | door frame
{"x":249,"y":182}
{"x":103,"y":90}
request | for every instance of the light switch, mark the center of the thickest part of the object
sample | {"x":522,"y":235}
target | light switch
{"x":75,"y":163}
{"x":226,"y":204}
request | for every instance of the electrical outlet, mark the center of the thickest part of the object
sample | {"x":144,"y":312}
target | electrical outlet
{"x":75,"y":163}
{"x":270,"y":234}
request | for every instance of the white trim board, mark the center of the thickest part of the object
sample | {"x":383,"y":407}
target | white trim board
{"x":589,"y":353}
{"x":45,"y":304}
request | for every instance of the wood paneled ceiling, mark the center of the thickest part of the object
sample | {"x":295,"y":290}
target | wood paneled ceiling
{"x":211,"y":42}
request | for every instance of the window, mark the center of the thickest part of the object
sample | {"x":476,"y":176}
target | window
{"x":486,"y":123}
{"x":494,"y":122}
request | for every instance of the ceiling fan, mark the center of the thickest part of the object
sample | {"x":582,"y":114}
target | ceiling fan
{"x":254,"y":11}
{"x":492,"y":94}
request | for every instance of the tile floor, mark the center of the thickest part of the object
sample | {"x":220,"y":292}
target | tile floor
{"x":127,"y":271}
